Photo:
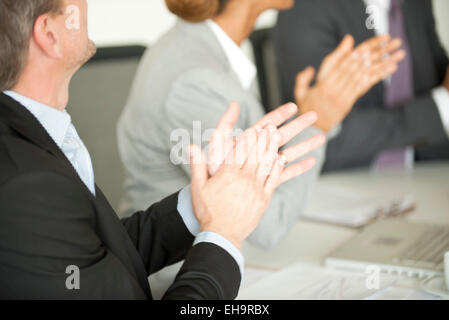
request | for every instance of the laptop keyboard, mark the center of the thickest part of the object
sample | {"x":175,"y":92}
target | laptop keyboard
{"x":428,"y":251}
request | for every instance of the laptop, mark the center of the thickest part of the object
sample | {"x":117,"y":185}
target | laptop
{"x":395,"y":246}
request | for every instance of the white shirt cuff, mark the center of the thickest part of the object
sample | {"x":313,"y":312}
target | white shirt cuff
{"x":185,"y":209}
{"x":441,"y":97}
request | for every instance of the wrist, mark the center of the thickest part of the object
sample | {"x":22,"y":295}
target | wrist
{"x":322,"y":122}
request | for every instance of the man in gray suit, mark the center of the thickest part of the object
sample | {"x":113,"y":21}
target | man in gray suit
{"x":189,"y":78}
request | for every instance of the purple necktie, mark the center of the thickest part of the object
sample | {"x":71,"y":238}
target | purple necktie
{"x":399,"y":89}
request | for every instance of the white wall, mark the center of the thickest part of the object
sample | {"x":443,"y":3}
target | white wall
{"x":117,"y":22}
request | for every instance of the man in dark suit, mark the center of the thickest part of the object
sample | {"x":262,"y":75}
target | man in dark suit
{"x":406,"y":116}
{"x":59,"y":237}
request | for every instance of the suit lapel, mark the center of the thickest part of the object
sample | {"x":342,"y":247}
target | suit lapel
{"x":355,"y":14}
{"x":25,"y":124}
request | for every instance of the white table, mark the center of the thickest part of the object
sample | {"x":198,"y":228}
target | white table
{"x":310,"y":242}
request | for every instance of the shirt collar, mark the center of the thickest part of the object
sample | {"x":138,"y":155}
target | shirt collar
{"x":243,"y":67}
{"x":55,"y":122}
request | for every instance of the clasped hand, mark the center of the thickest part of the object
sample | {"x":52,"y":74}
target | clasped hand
{"x":344,"y":76}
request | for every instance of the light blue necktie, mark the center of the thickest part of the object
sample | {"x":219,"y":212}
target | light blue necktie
{"x":75,"y":150}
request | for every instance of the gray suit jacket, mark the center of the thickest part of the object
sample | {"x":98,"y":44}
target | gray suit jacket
{"x":184,"y":78}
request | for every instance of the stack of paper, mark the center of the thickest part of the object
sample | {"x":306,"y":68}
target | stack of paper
{"x":304,"y":282}
{"x":398,"y":293}
{"x":352,"y":208}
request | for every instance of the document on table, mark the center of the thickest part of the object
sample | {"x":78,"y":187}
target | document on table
{"x":253,"y":275}
{"x":352,"y":208}
{"x":304,"y":282}
{"x":399,"y":293}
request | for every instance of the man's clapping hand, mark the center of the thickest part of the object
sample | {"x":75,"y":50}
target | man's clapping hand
{"x":232,"y":191}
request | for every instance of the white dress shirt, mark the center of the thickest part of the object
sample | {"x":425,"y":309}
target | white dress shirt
{"x":440,"y":94}
{"x":58,"y":125}
{"x":242,"y":66}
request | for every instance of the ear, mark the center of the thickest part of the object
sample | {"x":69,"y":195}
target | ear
{"x":45,"y":35}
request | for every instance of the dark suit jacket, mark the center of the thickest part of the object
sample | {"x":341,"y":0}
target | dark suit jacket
{"x":313,"y":29}
{"x":49,"y":220}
